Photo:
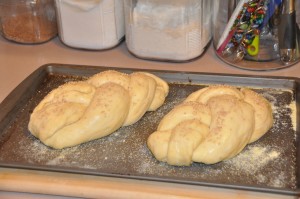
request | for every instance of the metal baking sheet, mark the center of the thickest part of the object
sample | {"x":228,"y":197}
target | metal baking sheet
{"x":269,"y":165}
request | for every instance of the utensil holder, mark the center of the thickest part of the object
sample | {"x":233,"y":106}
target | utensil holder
{"x":257,"y":34}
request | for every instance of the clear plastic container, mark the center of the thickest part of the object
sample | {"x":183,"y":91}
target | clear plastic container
{"x":168,"y":30}
{"x":257,"y":34}
{"x":28,"y":21}
{"x":90,"y":24}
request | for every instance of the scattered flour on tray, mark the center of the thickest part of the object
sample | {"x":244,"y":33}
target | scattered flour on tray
{"x":254,"y":159}
{"x":293,"y":108}
{"x":261,"y":163}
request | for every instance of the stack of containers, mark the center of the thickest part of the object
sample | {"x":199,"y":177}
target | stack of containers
{"x":90,"y":24}
{"x":165,"y":30}
{"x":169,"y":30}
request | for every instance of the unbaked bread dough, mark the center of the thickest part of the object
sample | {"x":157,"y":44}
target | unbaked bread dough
{"x":78,"y":112}
{"x":211,"y":125}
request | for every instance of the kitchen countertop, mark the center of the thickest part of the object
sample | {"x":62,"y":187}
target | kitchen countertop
{"x":17,"y":61}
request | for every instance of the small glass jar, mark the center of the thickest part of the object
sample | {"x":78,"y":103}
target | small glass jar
{"x":28,"y":21}
{"x":90,"y":24}
{"x":167,"y":30}
{"x":257,"y":34}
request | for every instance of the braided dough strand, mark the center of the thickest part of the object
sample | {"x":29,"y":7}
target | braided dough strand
{"x":106,"y":112}
{"x":230,"y":130}
{"x":263,"y":113}
{"x":142,"y":90}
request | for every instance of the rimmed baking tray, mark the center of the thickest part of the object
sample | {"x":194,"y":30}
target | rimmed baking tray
{"x":269,"y":165}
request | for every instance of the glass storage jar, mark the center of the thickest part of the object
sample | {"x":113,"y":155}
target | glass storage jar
{"x":168,"y":30}
{"x":257,"y":34}
{"x":90,"y":24}
{"x":28,"y":21}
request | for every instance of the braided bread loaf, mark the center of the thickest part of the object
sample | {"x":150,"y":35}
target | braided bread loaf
{"x":212,"y":124}
{"x":78,"y":112}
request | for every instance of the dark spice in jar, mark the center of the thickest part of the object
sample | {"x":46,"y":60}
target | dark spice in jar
{"x":27,"y":28}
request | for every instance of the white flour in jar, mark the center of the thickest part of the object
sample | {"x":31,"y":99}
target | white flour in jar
{"x":172,"y":31}
{"x":90,"y":24}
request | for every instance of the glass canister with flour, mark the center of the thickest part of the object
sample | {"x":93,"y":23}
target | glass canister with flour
{"x":167,"y":30}
{"x":28,"y":21}
{"x":90,"y":24}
